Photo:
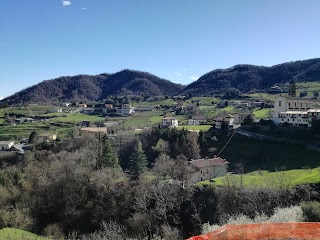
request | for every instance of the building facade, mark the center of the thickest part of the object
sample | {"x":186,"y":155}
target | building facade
{"x":197,"y":120}
{"x":296,"y":111}
{"x":6,"y":145}
{"x":206,"y":169}
{"x":169,"y":122}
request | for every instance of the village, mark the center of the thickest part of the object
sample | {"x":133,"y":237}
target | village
{"x":194,"y":115}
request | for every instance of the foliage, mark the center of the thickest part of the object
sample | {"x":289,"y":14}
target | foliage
{"x":109,"y":156}
{"x":138,"y":161}
{"x":33,"y":137}
{"x":87,"y":88}
{"x":311,"y":210}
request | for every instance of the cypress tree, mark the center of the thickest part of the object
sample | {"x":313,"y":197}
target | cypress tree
{"x":109,"y":156}
{"x":138,"y":161}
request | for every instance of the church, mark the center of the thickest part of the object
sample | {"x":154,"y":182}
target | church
{"x":296,"y":111}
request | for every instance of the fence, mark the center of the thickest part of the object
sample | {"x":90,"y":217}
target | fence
{"x":304,"y":230}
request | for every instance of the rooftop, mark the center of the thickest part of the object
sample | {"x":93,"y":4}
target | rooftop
{"x":206,"y":162}
{"x":6,"y":142}
{"x":94,"y":129}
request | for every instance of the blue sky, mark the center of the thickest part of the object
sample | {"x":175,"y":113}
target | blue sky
{"x":178,"y":40}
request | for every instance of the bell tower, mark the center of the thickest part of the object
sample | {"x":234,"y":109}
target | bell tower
{"x":292,"y":88}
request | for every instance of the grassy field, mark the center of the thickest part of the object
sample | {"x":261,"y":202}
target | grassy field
{"x":203,"y":128}
{"x":16,"y":234}
{"x":266,"y":96}
{"x":162,"y":102}
{"x":23,"y":130}
{"x":78,"y":117}
{"x":143,"y":119}
{"x":262,"y":113}
{"x":281,"y":179}
{"x":257,"y":155}
{"x":309,"y":87}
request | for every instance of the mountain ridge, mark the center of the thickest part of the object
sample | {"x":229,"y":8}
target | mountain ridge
{"x":89,"y":88}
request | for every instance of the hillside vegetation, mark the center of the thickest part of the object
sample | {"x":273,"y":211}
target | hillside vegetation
{"x":88,"y":88}
{"x":246,"y":77}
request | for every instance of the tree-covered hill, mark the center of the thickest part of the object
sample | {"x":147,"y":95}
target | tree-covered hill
{"x":247,"y":77}
{"x":87,"y":88}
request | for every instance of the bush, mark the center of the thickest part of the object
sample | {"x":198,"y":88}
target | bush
{"x":311,"y":211}
{"x":289,"y":214}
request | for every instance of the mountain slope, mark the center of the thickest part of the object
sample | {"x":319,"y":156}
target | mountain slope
{"x":88,"y":88}
{"x":247,"y":77}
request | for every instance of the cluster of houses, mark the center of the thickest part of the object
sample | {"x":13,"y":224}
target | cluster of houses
{"x":295,"y":111}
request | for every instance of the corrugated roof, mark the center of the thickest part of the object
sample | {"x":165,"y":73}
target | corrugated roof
{"x":94,"y":129}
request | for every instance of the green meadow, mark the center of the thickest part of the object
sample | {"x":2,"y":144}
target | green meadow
{"x":262,"y":113}
{"x":279,"y":179}
{"x":17,"y":234}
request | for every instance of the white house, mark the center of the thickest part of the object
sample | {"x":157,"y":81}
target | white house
{"x":6,"y":145}
{"x":126,"y":109}
{"x":296,"y":111}
{"x":169,"y":122}
{"x":197,"y":120}
{"x":57,"y":110}
{"x":206,"y":169}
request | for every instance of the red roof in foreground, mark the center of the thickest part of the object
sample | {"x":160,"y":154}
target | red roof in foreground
{"x":301,"y":230}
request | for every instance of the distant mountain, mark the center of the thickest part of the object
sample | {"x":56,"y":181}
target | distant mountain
{"x":247,"y":77}
{"x":88,"y":88}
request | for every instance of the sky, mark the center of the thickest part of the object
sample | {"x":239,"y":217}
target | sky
{"x":178,"y":40}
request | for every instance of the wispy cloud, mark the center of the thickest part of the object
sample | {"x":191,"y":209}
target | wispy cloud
{"x":185,"y":69}
{"x":84,"y":9}
{"x":66,"y":3}
{"x":194,"y":78}
{"x":178,"y":74}
{"x":1,"y":98}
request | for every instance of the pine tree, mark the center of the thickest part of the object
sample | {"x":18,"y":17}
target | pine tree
{"x":138,"y":161}
{"x":109,"y":156}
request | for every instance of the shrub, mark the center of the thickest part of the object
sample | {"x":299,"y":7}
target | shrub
{"x":311,"y":211}
{"x":289,"y":214}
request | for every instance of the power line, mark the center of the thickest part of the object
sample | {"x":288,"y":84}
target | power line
{"x":227,"y":143}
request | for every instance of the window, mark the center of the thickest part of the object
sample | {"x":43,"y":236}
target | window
{"x":279,"y":103}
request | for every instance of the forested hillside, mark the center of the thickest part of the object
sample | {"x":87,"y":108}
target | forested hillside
{"x":241,"y":77}
{"x":248,"y":77}
{"x":87,"y":88}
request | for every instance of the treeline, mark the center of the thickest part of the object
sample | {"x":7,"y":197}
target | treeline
{"x":82,"y":186}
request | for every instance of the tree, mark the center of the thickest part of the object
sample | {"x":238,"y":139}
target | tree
{"x":109,"y":156}
{"x":316,"y":94}
{"x":33,"y":137}
{"x":138,"y":161}
{"x":248,"y":120}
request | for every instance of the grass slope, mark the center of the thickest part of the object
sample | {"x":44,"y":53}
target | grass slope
{"x":262,"y":113}
{"x":281,"y":179}
{"x":17,"y":234}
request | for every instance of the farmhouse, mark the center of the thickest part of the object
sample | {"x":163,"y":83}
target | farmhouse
{"x":93,"y":131}
{"x":169,"y":122}
{"x":197,"y":120}
{"x":6,"y":145}
{"x":47,"y":137}
{"x":206,"y":169}
{"x":126,"y":109}
{"x":296,"y":111}
{"x":223,"y":120}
